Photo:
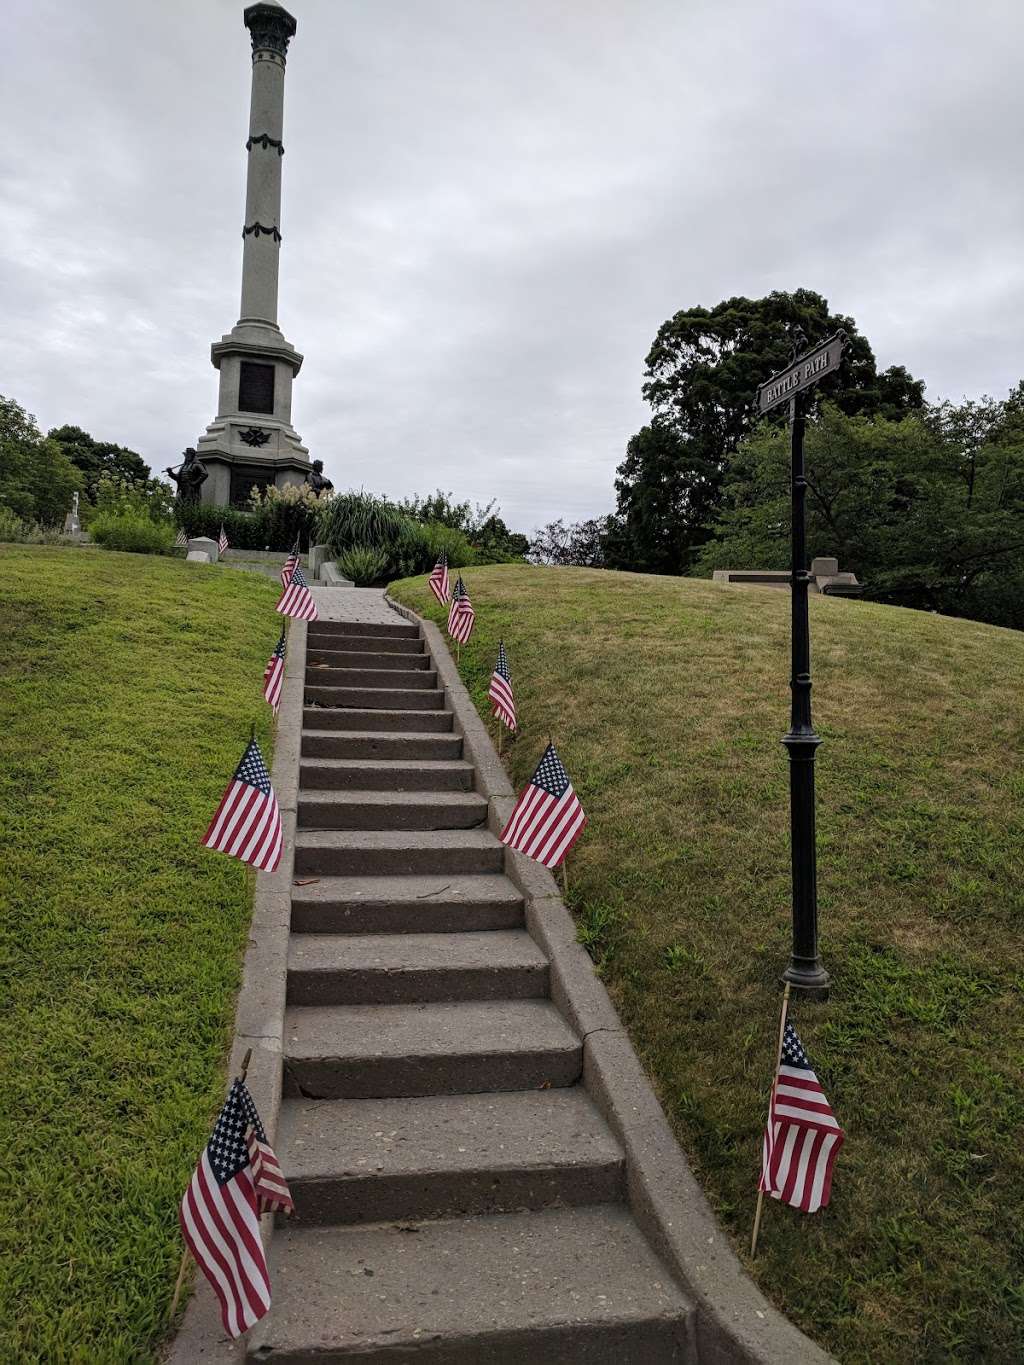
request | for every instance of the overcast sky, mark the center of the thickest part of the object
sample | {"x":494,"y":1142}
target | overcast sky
{"x":489,"y":208}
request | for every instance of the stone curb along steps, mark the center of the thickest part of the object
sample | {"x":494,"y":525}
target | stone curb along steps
{"x":481,"y":1171}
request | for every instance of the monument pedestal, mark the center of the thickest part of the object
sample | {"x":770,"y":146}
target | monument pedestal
{"x":251,"y":443}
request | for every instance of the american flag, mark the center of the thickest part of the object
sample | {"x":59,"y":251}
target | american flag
{"x":181,"y":539}
{"x":802,"y":1139}
{"x":297,"y":600}
{"x":222,"y":539}
{"x":237,"y":1178}
{"x":548,"y":818}
{"x":460,"y":614}
{"x":290,"y":564}
{"x":438,"y":580}
{"x":273,"y":675}
{"x":247,"y":823}
{"x":500,"y":690}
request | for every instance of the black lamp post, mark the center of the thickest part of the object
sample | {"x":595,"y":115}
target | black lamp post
{"x":805,"y":971}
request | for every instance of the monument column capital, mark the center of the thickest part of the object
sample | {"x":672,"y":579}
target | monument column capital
{"x":270,"y":27}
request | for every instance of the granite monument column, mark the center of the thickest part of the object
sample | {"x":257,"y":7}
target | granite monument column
{"x":251,"y":442}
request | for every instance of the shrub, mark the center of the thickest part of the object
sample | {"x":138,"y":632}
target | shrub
{"x":132,"y":532}
{"x":273,"y":520}
{"x":15,"y":528}
{"x":350,"y":519}
{"x":363,"y":521}
{"x":362,"y":564}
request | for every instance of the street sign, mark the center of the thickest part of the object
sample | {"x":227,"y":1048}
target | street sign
{"x":802,"y":373}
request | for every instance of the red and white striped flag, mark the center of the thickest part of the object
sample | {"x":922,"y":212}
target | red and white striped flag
{"x":803,"y":1137}
{"x":438,"y":580}
{"x":500,"y":690}
{"x":460,"y":614}
{"x":297,"y":600}
{"x":548,"y":818}
{"x":247,"y":823}
{"x":273,"y":675}
{"x":237,"y":1178}
{"x":181,"y":539}
{"x":290,"y":565}
{"x":222,"y":539}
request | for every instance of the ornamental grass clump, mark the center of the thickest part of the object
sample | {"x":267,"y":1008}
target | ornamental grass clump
{"x":362,"y":564}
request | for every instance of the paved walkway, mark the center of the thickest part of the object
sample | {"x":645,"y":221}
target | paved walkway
{"x":360,"y":606}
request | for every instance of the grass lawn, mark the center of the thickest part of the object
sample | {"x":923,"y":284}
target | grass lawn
{"x":127,"y":685}
{"x":667,"y":700}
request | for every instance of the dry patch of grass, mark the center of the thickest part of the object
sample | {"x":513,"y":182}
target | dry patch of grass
{"x":667,"y":699}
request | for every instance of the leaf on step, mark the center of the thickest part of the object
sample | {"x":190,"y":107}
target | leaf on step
{"x":305,"y":881}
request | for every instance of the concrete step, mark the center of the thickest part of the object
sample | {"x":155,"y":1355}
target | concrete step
{"x":393,"y":969}
{"x":361,"y":744}
{"x":385,"y":774}
{"x":416,"y":679}
{"x":324,"y":632}
{"x":369,"y":1161}
{"x":380,"y":698}
{"x":385,"y":810}
{"x":381,"y":1051}
{"x":396,"y":853}
{"x":368,"y":720}
{"x":406,"y":905}
{"x":336,"y":658}
{"x":369,"y":644}
{"x":562,"y":1285}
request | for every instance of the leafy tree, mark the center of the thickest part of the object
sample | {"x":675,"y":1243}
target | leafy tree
{"x":482,"y":526}
{"x":927,"y":511}
{"x":100,"y":459}
{"x":581,"y":544}
{"x":702,"y":374}
{"x":37,"y":479}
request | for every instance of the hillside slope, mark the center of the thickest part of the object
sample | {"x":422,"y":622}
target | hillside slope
{"x":127,"y":686}
{"x":667,"y":699}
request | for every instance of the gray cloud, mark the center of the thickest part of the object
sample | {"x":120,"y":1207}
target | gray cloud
{"x":490,"y":208}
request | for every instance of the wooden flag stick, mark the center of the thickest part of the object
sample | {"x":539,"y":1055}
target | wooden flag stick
{"x":179,"y":1283}
{"x":565,"y":875}
{"x":778,"y":1063}
{"x":497,"y":721}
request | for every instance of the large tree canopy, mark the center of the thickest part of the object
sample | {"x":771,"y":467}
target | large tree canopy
{"x":702,"y":375}
{"x":927,"y":511}
{"x":36,"y":477}
{"x":99,"y":459}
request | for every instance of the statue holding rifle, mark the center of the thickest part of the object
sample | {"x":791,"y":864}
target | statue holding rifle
{"x":190,"y":476}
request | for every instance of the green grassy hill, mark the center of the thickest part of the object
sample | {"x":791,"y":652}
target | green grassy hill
{"x":127,"y":685}
{"x":667,"y":700}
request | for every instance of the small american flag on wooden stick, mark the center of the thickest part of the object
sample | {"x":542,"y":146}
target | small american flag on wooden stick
{"x":297,"y":600}
{"x":247,"y":823}
{"x":460,"y":614}
{"x":290,"y":564}
{"x":273,"y":674}
{"x":237,"y":1178}
{"x":500,"y":690}
{"x":222,"y":539}
{"x":803,"y":1137}
{"x":548,"y":818}
{"x":438,"y":580}
{"x":181,"y":539}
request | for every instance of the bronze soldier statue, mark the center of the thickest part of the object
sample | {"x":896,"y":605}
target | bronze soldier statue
{"x":190,"y":477}
{"x":316,"y":480}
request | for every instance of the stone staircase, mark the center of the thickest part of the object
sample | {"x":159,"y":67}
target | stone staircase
{"x":459,"y":1198}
